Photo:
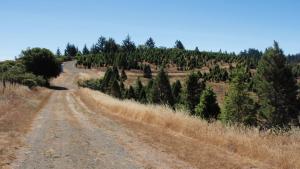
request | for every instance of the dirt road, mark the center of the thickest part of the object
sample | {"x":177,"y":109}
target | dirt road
{"x":66,"y":134}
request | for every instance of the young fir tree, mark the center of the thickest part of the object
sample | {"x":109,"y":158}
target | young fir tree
{"x":122,"y":89}
{"x":130,"y":93}
{"x":194,"y":87}
{"x":138,"y":88}
{"x":276,"y":90}
{"x":147,"y":71}
{"x":179,"y":45}
{"x":163,"y":87}
{"x":108,"y":76}
{"x":238,"y":106}
{"x":85,"y":50}
{"x":148,"y":89}
{"x":116,"y":73}
{"x":155,"y":93}
{"x":115,"y":89}
{"x":176,"y":90}
{"x":58,"y":53}
{"x":150,"y":43}
{"x":123,"y":75}
{"x":208,"y":107}
{"x":143,"y":96}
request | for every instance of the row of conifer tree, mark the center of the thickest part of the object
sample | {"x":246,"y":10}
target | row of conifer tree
{"x":266,"y":99}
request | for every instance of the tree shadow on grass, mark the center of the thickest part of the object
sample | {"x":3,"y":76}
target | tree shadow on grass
{"x":57,"y":88}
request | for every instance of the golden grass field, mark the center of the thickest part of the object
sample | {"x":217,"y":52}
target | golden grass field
{"x":247,"y":144}
{"x":18,"y":107}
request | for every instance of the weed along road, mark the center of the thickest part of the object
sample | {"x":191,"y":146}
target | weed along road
{"x":69,"y":134}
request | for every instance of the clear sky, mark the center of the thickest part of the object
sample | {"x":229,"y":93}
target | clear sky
{"x":231,"y":25}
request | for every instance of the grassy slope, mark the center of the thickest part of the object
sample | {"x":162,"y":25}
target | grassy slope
{"x":245,"y":144}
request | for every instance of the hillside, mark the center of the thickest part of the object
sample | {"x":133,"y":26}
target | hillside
{"x":81,"y":128}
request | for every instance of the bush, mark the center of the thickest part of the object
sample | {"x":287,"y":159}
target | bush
{"x":41,"y":62}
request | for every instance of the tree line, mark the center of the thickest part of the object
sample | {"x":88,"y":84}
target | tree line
{"x":267,"y":99}
{"x":106,"y":52}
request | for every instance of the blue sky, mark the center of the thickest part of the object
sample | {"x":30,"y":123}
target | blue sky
{"x":231,"y":25}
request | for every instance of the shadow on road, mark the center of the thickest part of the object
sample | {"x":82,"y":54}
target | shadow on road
{"x":57,"y":88}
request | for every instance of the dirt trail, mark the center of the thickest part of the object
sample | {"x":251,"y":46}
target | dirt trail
{"x":66,"y":134}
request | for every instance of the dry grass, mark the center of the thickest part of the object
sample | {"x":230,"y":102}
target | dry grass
{"x":18,"y":107}
{"x":274,"y":151}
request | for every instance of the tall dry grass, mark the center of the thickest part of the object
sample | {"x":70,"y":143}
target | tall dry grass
{"x":278,"y":151}
{"x":18,"y":107}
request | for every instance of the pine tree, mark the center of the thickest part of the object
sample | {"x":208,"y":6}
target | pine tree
{"x":130,"y":93}
{"x":194,"y":87}
{"x":110,"y":46}
{"x":147,"y":71}
{"x":100,"y":45}
{"x":108,"y":76}
{"x":163,"y":87}
{"x":116,"y":73}
{"x":238,"y":106}
{"x":150,"y":43}
{"x":115,"y":89}
{"x":197,"y":50}
{"x":123,"y":75}
{"x":122,"y":89}
{"x":138,"y":88}
{"x":148,"y":88}
{"x":179,"y":45}
{"x":85,"y":50}
{"x":71,"y":50}
{"x":155,"y":93}
{"x":208,"y":107}
{"x":128,"y":45}
{"x":142,"y":97}
{"x":176,"y":90}
{"x":58,"y":53}
{"x":276,"y":90}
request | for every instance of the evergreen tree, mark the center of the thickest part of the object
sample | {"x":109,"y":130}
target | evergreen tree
{"x":108,"y":76}
{"x":122,"y":89}
{"x":176,"y":90}
{"x":115,"y":89}
{"x":197,"y":50}
{"x":162,"y":88}
{"x":128,"y":45}
{"x":58,"y":53}
{"x":85,"y":50}
{"x":277,"y":90}
{"x":142,"y":97}
{"x":208,"y":107}
{"x":194,"y":87}
{"x":123,"y":75}
{"x":130,"y":93}
{"x":71,"y":50}
{"x":150,"y":43}
{"x":116,"y":73}
{"x":155,"y":93}
{"x":148,"y":89}
{"x":100,"y":45}
{"x":138,"y":88}
{"x":147,"y":71}
{"x":238,"y":106}
{"x":179,"y":45}
{"x":110,"y":46}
